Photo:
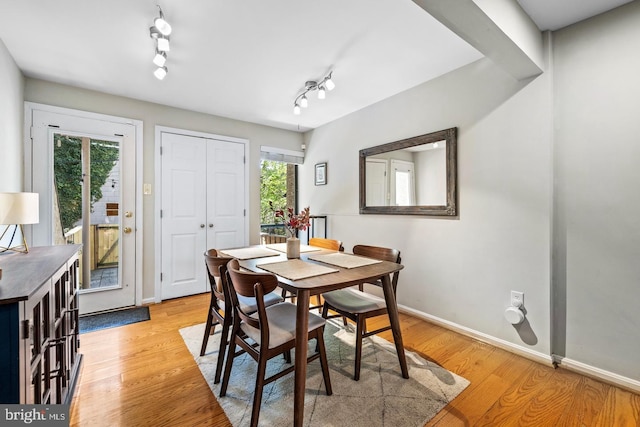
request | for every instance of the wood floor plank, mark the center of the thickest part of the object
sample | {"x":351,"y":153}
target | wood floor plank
{"x":143,"y":375}
{"x":620,"y":409}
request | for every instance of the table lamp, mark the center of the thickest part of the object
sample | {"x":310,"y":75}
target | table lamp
{"x":17,"y":209}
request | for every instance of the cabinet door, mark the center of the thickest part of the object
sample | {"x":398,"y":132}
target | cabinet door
{"x":58,"y":340}
{"x":73,"y":331}
{"x":37,"y":349}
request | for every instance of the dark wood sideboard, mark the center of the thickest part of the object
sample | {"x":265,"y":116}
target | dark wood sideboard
{"x":39,"y":359}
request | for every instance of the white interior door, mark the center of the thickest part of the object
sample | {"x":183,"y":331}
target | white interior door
{"x":202,"y":206}
{"x":225,"y":194}
{"x":376,"y":184}
{"x":84,"y":170}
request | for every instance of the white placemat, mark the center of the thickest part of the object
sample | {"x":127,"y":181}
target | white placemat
{"x":344,"y":260}
{"x":296,"y":269}
{"x":249,"y":253}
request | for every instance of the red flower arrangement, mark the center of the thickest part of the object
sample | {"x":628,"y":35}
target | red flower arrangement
{"x":293,"y":221}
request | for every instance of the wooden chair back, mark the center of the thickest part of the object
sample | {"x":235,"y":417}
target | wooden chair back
{"x":252,"y":285}
{"x":332,"y":244}
{"x":383,"y":254}
{"x":213,"y":261}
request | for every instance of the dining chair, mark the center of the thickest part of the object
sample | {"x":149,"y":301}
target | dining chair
{"x":331,"y":244}
{"x":217,"y":313}
{"x":335,"y":245}
{"x":357,"y":305}
{"x":268,"y":332}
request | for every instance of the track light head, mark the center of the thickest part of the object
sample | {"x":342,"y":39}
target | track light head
{"x":160,"y":73}
{"x":161,"y":24}
{"x":160,"y":58}
{"x":163,"y":44}
{"x":296,"y":109}
{"x":329,"y":84}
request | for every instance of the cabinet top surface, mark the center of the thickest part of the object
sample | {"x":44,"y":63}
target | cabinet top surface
{"x":23,"y":274}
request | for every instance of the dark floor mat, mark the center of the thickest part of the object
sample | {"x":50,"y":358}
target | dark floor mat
{"x":112,"y":319}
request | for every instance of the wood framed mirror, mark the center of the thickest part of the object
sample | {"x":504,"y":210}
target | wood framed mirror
{"x":413,"y":176}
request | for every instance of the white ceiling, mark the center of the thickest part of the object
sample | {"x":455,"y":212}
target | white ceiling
{"x":555,"y":14}
{"x":249,"y":59}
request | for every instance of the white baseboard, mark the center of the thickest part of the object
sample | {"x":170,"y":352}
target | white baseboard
{"x":597,"y":373}
{"x":564,"y":363}
{"x":505,"y":345}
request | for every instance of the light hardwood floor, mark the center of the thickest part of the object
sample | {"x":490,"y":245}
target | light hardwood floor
{"x":143,"y":375}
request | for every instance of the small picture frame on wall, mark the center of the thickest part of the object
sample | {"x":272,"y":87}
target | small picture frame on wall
{"x":321,"y":174}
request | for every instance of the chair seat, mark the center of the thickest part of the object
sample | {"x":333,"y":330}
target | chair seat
{"x":282,"y":324}
{"x":353,"y":301}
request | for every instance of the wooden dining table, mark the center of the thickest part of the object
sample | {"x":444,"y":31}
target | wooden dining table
{"x":307,"y":287}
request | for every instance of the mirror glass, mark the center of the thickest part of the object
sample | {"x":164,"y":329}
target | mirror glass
{"x":413,"y":176}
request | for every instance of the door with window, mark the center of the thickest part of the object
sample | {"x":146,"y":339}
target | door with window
{"x":84,"y":171}
{"x":202,"y":207}
{"x":403,"y":188}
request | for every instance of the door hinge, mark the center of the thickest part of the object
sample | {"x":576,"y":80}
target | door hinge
{"x":161,"y":277}
{"x":244,"y":212}
{"x":31,"y":132}
{"x":160,"y":213}
{"x":161,"y":150}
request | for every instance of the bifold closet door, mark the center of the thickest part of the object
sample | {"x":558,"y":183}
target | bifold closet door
{"x":203,"y":207}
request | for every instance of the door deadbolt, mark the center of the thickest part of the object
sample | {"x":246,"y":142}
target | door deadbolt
{"x":127,"y":230}
{"x":128,"y":214}
{"x":201,"y":225}
{"x":210,"y":225}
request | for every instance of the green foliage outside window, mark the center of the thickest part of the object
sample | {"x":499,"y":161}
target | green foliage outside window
{"x":68,"y":174}
{"x":273,"y":189}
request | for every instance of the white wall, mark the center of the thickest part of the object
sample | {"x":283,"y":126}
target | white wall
{"x":463,"y":269}
{"x":11,"y":113}
{"x":597,"y":242}
{"x":154,"y":114}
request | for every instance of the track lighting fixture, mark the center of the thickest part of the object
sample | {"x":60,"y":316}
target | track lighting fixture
{"x":322,"y":86}
{"x":160,"y":32}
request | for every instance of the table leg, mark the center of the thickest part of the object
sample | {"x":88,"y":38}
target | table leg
{"x":392,"y":308}
{"x":302,"y":335}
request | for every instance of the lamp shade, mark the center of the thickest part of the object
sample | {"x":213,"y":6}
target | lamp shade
{"x":19,"y":208}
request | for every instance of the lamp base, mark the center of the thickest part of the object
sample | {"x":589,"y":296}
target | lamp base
{"x":23,"y":248}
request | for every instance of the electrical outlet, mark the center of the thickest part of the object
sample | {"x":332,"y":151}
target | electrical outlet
{"x":517,"y":298}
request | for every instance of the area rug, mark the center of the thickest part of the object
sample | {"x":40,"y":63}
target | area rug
{"x":112,"y":319}
{"x":381,"y":397}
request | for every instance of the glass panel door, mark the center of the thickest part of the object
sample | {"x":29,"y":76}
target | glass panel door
{"x":84,"y":169}
{"x":86,"y":194}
